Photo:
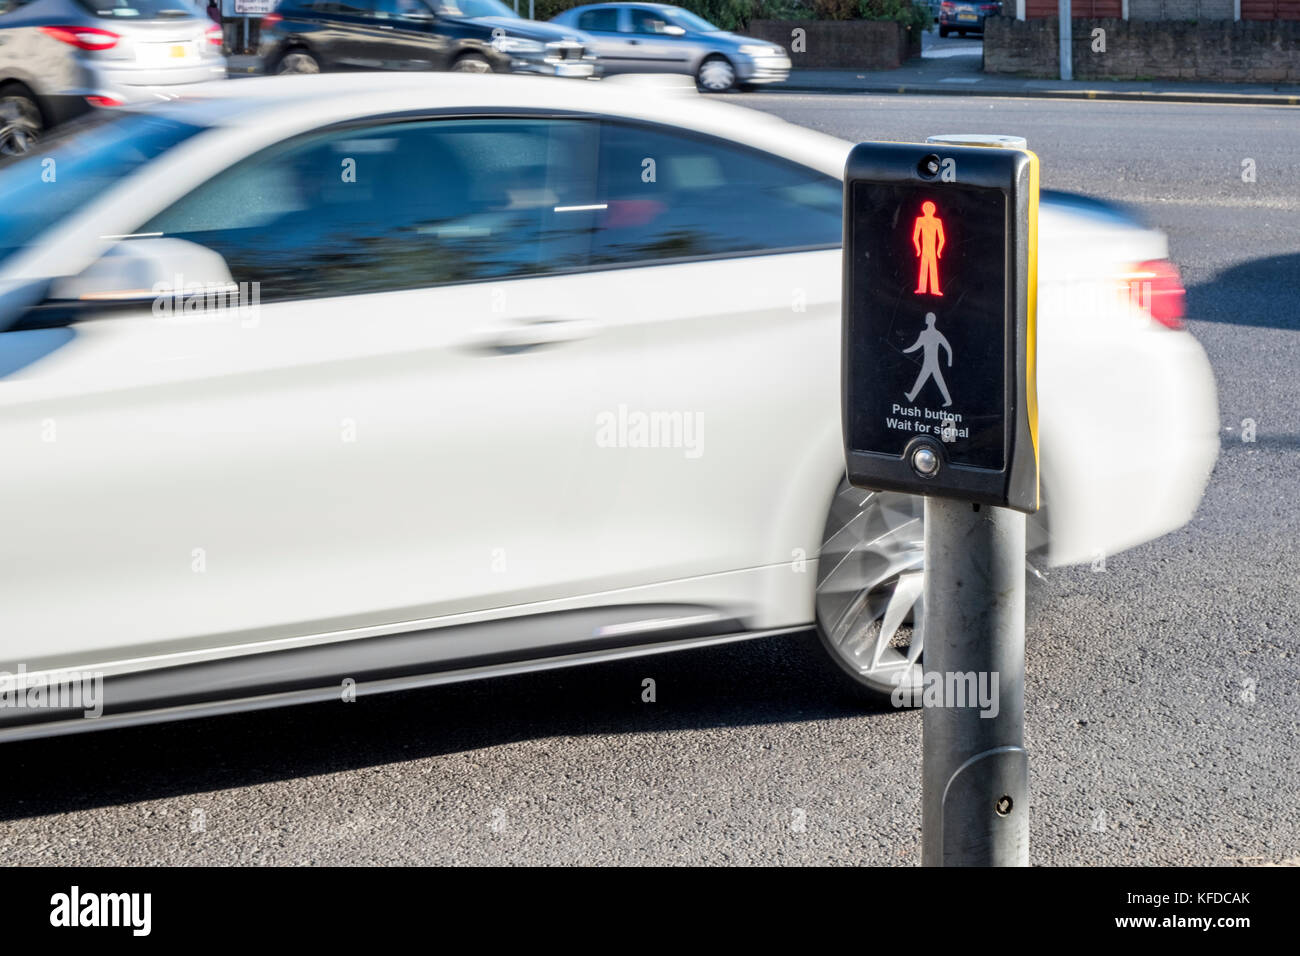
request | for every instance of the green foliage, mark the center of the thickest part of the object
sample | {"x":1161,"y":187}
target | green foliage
{"x":906,"y":12}
{"x":736,"y":14}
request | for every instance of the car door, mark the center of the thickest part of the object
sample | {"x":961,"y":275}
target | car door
{"x":408,"y":39}
{"x":610,"y":45}
{"x":649,"y":46}
{"x":389,"y":429}
{"x":359,"y":38}
{"x":715,"y":274}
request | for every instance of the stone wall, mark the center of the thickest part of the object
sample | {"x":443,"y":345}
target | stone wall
{"x":840,"y":44}
{"x":1180,"y":9}
{"x":1259,"y":51}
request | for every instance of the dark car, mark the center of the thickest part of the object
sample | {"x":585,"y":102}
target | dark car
{"x":469,"y":36}
{"x":957,"y":16}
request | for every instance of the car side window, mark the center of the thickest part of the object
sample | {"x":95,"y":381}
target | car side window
{"x":646,"y":21}
{"x":671,"y":195}
{"x":401,"y":10}
{"x":599,"y":21}
{"x":399,"y":206}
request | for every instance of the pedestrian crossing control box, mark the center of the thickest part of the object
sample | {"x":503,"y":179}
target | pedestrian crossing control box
{"x":938,"y":354}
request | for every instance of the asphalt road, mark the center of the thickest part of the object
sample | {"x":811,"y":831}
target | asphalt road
{"x":1163,"y":696}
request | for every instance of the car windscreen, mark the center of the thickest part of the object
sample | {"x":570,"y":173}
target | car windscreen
{"x":689,"y":21}
{"x":474,"y":8}
{"x":42,"y":188}
{"x":139,"y":9}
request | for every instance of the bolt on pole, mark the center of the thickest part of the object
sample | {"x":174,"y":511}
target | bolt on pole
{"x":975,"y":770}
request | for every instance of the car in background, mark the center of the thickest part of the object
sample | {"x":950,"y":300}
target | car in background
{"x":956,"y":16}
{"x":383,"y":381}
{"x":61,"y":58}
{"x":464,"y":36}
{"x":659,"y":38}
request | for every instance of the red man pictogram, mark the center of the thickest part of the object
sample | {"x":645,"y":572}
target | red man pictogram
{"x":927,"y":237}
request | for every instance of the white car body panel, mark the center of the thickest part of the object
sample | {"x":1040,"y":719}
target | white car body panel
{"x":474,"y":485}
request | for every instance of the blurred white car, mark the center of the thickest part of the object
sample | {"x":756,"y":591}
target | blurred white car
{"x":399,"y":380}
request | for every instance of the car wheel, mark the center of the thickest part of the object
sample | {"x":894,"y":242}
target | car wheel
{"x":471,"y":63}
{"x":869,"y":588}
{"x":943,"y":31}
{"x":716,"y":75}
{"x":297,"y":61}
{"x":20,"y":122}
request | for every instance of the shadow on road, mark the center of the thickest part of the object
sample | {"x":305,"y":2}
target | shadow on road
{"x":1261,"y":292}
{"x":772,"y":680}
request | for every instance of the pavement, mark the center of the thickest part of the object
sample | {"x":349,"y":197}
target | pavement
{"x":953,"y":66}
{"x":1162,"y":693}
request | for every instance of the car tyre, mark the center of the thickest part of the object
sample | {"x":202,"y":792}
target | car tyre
{"x":944,"y":31}
{"x":297,"y":61}
{"x":716,"y":75}
{"x":471,"y":63}
{"x":21,"y":123}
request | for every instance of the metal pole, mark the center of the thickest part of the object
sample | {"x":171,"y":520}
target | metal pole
{"x":975,"y":771}
{"x":530,"y":10}
{"x":1066,"y":32}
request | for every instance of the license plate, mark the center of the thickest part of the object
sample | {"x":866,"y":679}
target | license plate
{"x":573,"y":69}
{"x":967,"y":16}
{"x":161,"y":54}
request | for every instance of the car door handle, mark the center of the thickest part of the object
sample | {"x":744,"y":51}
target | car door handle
{"x":530,"y":334}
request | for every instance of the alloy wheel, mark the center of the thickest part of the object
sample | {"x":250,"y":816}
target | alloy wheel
{"x":20,"y":124}
{"x":869,"y":600}
{"x":298,"y":62}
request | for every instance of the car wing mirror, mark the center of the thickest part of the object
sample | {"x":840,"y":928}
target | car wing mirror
{"x":144,"y":271}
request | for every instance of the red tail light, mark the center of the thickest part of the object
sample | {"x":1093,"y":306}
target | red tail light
{"x":947,"y":5}
{"x":270,"y":20}
{"x":103,"y":101}
{"x":1156,"y":287}
{"x":83,"y":38}
{"x":214,"y":35}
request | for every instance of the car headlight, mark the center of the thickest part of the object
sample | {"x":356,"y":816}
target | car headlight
{"x":750,"y":49}
{"x":517,"y":45}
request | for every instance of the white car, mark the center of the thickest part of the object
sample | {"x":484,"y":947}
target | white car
{"x":532,"y":374}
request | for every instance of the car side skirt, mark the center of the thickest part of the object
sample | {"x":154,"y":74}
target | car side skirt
{"x":393,"y":662}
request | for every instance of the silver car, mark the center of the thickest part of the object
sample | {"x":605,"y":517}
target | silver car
{"x":659,"y":38}
{"x":60,"y":58}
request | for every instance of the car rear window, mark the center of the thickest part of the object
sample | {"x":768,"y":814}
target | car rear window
{"x":139,"y":9}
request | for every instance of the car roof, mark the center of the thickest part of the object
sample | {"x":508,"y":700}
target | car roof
{"x":298,"y":103}
{"x":633,"y":3}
